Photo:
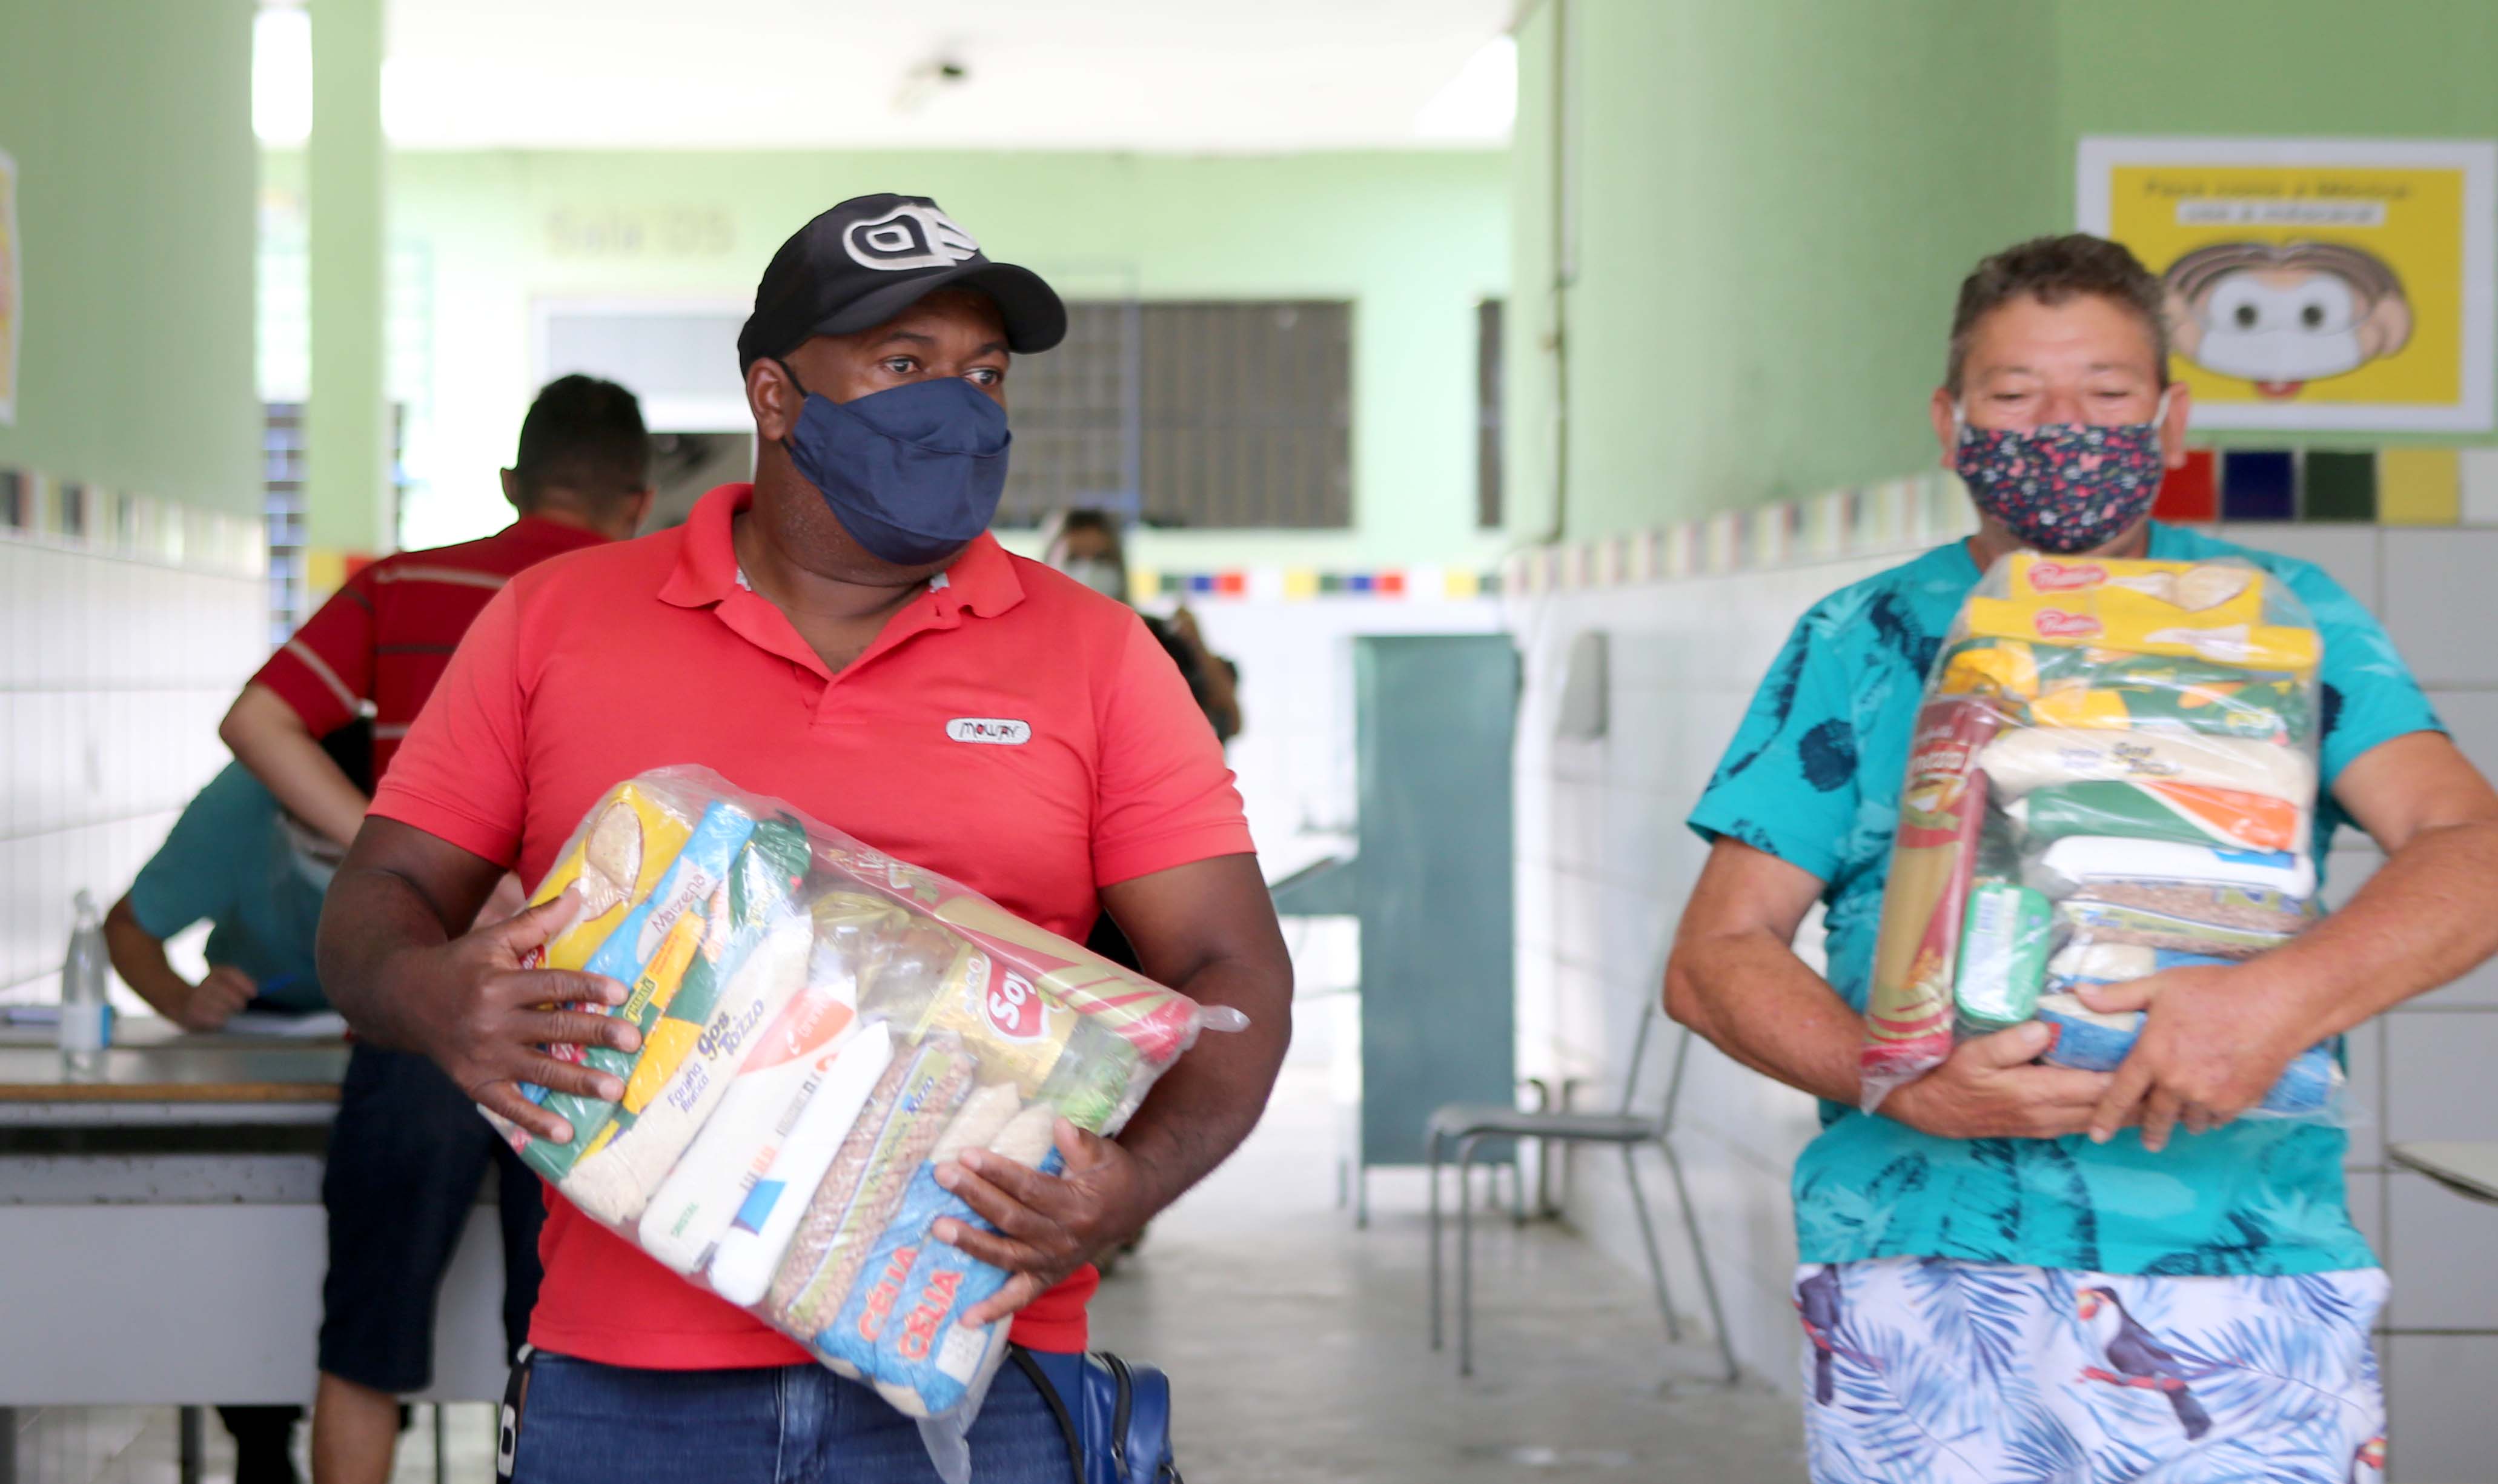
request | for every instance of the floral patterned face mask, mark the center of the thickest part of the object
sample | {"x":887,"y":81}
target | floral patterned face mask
{"x":2064,"y":487}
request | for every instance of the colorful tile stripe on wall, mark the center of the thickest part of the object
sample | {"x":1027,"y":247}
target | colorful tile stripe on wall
{"x":1298,"y":584}
{"x":37,"y":507}
{"x":2387,"y":486}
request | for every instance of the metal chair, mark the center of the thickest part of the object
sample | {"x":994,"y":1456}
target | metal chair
{"x":1464,"y":1125}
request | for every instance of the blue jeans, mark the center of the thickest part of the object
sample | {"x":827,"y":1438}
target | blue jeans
{"x":584,"y":1423}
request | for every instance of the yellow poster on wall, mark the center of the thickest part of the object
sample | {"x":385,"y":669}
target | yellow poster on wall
{"x":2313,"y":283}
{"x":11,"y":298}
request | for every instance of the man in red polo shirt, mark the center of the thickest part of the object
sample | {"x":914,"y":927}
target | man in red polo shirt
{"x":407,"y":1150}
{"x":826,"y":634}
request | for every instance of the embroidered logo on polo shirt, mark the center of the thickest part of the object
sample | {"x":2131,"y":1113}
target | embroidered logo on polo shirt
{"x":997,"y":732}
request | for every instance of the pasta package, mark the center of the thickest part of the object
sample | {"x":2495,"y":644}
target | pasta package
{"x":1933,"y":856}
{"x":824,"y":1028}
{"x":631,"y":838}
{"x":2113,"y":776}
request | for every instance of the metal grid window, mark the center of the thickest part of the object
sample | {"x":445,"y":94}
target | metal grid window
{"x":1220,"y":415}
{"x":282,"y":508}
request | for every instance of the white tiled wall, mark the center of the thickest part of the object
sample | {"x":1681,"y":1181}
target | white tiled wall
{"x":1604,"y":864}
{"x":1294,"y":753}
{"x":113,"y":675}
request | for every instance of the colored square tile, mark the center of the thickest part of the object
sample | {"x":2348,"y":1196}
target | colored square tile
{"x":2189,"y":494}
{"x":1492,"y":584}
{"x":2419,"y":487}
{"x":2341,"y":485}
{"x":1174,"y":582}
{"x":1232,"y":584}
{"x":1331,"y":582}
{"x":2477,"y":475}
{"x":1724,"y":545}
{"x":1358,"y":582}
{"x":1390,"y":584}
{"x":1458,"y":583}
{"x":1201,"y":582}
{"x":2259,"y":484}
{"x":1300,"y":582}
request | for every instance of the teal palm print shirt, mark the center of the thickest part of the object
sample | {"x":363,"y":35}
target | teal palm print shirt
{"x":1813,"y":777}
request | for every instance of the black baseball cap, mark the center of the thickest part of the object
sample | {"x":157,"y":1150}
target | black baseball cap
{"x":872,"y":257}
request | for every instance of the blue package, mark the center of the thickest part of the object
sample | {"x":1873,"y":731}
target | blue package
{"x":925,"y":1360}
{"x":2090,"y":1041}
{"x":853,"y":1333}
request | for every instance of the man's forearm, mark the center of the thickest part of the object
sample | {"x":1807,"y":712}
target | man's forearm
{"x":2428,"y":916}
{"x":1756,"y":1001}
{"x":1207,"y":1103}
{"x":268,"y":738}
{"x":373,"y":916}
{"x":139,"y":957}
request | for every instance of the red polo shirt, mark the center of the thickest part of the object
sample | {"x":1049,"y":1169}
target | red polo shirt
{"x":605,"y":664}
{"x":385,"y":636}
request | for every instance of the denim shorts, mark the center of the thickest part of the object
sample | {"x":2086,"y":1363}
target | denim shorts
{"x":407,"y":1152}
{"x":584,"y":1423}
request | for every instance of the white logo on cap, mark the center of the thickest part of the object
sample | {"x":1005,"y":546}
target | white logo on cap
{"x":913,"y":236}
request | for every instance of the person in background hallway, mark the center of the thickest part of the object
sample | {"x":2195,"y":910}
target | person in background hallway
{"x":235,"y":862}
{"x":1086,"y":545}
{"x":407,"y":1150}
{"x":2093,"y":1293}
{"x":811,"y":636}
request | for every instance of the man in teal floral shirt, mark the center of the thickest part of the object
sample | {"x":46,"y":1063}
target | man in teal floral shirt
{"x":2020,"y":1270}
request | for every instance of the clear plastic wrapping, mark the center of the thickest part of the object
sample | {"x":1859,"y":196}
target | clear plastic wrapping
{"x":823,"y":1026}
{"x":2113,"y":774}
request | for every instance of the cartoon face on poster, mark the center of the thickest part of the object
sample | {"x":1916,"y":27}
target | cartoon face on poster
{"x":2313,"y":283}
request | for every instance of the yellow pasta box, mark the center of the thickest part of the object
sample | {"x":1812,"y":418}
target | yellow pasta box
{"x":619,"y":856}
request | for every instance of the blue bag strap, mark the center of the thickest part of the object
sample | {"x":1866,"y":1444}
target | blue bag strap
{"x":1038,"y":1371}
{"x":1115,"y":1415}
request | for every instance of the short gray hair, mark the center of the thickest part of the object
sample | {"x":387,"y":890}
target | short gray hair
{"x":2052,"y":270}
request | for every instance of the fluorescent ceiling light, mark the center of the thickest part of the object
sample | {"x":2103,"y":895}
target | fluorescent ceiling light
{"x":1480,"y":103}
{"x":281,"y":76}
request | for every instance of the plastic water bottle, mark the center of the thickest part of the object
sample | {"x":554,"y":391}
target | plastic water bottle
{"x":86,"y":1015}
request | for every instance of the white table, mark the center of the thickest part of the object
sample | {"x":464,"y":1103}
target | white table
{"x":161,"y":1234}
{"x":2467,"y":1166}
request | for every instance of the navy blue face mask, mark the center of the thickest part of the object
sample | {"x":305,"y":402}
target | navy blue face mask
{"x":913,"y":472}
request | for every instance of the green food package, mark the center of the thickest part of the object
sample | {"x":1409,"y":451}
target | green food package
{"x":2064,"y":685}
{"x":2004,"y":948}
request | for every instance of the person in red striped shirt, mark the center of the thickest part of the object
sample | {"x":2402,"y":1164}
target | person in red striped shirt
{"x":407,"y":1152}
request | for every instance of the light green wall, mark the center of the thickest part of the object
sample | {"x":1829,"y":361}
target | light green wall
{"x":2416,"y":69}
{"x":2394,"y":68}
{"x":346,"y":423}
{"x":1415,"y":240}
{"x":1762,"y":195}
{"x":1775,"y":202}
{"x":130,"y":121}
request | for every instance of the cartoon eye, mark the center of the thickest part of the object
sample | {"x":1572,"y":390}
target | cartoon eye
{"x":2310,"y":315}
{"x":2247,"y":317}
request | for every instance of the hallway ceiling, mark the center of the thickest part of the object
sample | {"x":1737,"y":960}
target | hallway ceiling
{"x":1164,"y":76}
